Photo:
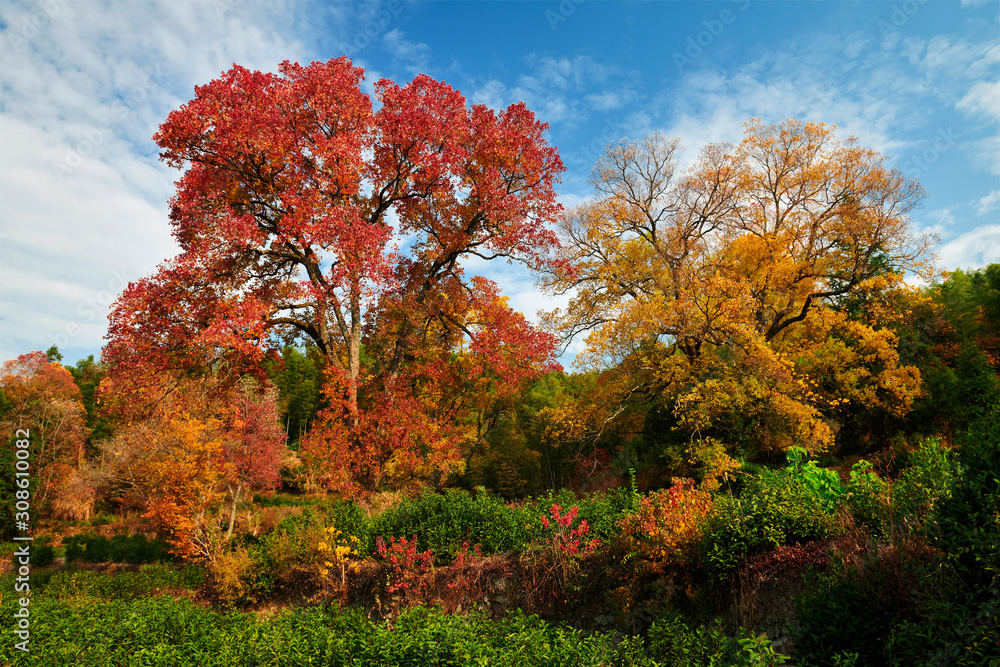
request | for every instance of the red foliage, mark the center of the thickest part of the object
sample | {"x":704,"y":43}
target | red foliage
{"x":256,"y":441}
{"x":564,"y":536}
{"x":203,"y":449}
{"x":285,"y":216}
{"x":407,"y":566}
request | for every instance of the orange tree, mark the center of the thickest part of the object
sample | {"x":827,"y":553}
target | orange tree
{"x":716,"y":291}
{"x":302,"y":213}
{"x":193,"y":458}
{"x":40,"y":396}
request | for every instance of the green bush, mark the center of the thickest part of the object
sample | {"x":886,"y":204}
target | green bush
{"x":351,"y":520}
{"x":290,"y":546}
{"x":442,"y":522}
{"x":839,"y":615}
{"x":71,"y":583}
{"x":966,"y":519}
{"x":774,"y":509}
{"x":868,"y":499}
{"x":135,"y":549}
{"x":925,"y":618}
{"x":154,"y":631}
{"x":601,"y":511}
{"x":928,"y":478}
{"x":101,"y":520}
{"x":672,"y":642}
{"x":822,"y":483}
{"x":8,"y":482}
{"x":40,"y":552}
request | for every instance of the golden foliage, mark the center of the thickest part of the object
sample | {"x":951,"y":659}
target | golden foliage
{"x":724,"y":290}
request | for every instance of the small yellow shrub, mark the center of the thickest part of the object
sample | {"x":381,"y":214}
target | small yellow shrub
{"x":230,"y":571}
{"x":336,"y":553}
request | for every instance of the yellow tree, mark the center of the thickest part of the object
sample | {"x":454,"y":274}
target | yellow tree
{"x":696,"y":287}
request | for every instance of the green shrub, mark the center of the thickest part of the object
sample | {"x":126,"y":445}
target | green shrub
{"x":101,"y":520}
{"x":774,"y":509}
{"x":966,"y":519}
{"x":351,"y":520}
{"x":822,"y":483}
{"x":277,"y":556}
{"x":148,"y":580}
{"x":135,"y":549}
{"x":868,"y":499}
{"x":952,"y":632}
{"x":8,"y":482}
{"x":602,"y":511}
{"x":672,"y":642}
{"x":155,"y":631}
{"x":838,"y":615}
{"x":928,"y":478}
{"x":442,"y":522}
{"x":42,"y":553}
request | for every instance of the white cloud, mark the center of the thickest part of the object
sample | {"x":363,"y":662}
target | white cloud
{"x":72,"y":243}
{"x":972,"y":250}
{"x":411,"y":56}
{"x":943,"y":216}
{"x":610,"y":100}
{"x":988,"y":203}
{"x":561,"y":90}
{"x":492,"y":94}
{"x":983,"y":98}
{"x":84,"y":196}
{"x":985,"y":153}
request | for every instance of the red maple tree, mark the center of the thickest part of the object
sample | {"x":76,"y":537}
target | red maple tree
{"x":304,"y":214}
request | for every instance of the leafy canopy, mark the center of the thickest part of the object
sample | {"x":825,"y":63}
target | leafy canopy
{"x":304,"y":213}
{"x":718,"y":288}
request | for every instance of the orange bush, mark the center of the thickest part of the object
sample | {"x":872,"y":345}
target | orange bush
{"x":668,"y":526}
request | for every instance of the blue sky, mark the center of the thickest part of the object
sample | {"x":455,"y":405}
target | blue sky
{"x":84,"y":85}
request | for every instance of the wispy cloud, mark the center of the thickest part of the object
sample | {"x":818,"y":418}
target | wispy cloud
{"x":984,"y":99}
{"x":990,"y":202}
{"x":412,"y":57}
{"x":84,"y":193}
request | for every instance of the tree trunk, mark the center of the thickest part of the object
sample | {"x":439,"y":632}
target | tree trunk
{"x":232,"y":509}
